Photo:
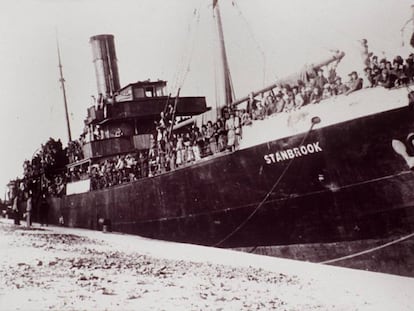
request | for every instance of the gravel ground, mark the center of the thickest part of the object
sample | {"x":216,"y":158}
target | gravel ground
{"x":59,"y":269}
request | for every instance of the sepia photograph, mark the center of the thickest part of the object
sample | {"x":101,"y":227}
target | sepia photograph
{"x":207,"y":155}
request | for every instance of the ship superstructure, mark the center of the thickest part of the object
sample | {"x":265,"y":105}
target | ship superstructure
{"x":122,"y":120}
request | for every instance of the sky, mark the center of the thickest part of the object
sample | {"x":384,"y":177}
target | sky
{"x":159,"y":39}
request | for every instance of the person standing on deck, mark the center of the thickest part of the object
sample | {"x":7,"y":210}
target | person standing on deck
{"x":231,"y":135}
{"x":365,"y":60}
{"x":365,"y":54}
{"x":211,"y":138}
{"x":237,"y":129}
{"x":320,"y":79}
{"x":222,"y":134}
{"x":252,"y":105}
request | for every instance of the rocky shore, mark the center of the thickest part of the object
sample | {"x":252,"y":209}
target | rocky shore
{"x":68,"y":269}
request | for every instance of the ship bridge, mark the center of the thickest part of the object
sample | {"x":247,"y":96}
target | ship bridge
{"x":126,"y":121}
{"x":143,"y":100}
{"x":142,"y":89}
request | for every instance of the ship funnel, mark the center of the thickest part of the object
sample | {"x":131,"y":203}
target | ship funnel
{"x":106,"y":67}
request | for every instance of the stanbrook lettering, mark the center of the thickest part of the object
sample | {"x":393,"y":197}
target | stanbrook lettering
{"x":291,"y":153}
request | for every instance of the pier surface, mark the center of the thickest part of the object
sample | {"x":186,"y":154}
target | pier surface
{"x":57,"y":268}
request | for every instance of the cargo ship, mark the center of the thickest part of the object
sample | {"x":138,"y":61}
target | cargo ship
{"x":329,"y":182}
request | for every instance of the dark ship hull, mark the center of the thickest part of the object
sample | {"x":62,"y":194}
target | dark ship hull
{"x":339,"y":183}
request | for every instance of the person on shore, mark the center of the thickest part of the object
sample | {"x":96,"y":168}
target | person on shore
{"x":61,"y":221}
{"x":15,"y":209}
{"x":44,"y":211}
{"x":29,"y":208}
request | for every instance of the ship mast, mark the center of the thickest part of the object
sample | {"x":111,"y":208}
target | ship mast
{"x":62,"y":82}
{"x":227,"y":84}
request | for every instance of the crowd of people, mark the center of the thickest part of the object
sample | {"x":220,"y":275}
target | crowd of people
{"x":74,"y":150}
{"x":319,"y":86}
{"x":389,"y":74}
{"x":46,"y":170}
{"x":170,"y":149}
{"x":166,"y":153}
{"x":43,"y":176}
{"x":112,"y":171}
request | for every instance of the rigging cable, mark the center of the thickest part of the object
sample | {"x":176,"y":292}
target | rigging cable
{"x":179,"y":81}
{"x":370,"y":250}
{"x":403,"y":29}
{"x":185,"y":65}
{"x":192,"y":48}
{"x":250,"y":31}
{"x":181,"y":64}
{"x":286,"y":201}
{"x":247,"y":219}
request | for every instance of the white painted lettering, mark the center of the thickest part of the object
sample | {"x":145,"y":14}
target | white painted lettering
{"x":317,"y":147}
{"x":297,"y":152}
{"x":278,"y":157}
{"x":303,"y":150}
{"x":292,"y":153}
{"x":284,"y":155}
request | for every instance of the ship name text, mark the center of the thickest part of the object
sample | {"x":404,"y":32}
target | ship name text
{"x":291,"y":153}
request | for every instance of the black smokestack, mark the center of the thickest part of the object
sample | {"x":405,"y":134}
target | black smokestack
{"x":106,"y":67}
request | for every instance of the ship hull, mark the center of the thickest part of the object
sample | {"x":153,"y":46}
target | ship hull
{"x":335,"y":184}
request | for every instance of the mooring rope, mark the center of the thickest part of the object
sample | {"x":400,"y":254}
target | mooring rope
{"x":247,"y":219}
{"x":370,"y":250}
